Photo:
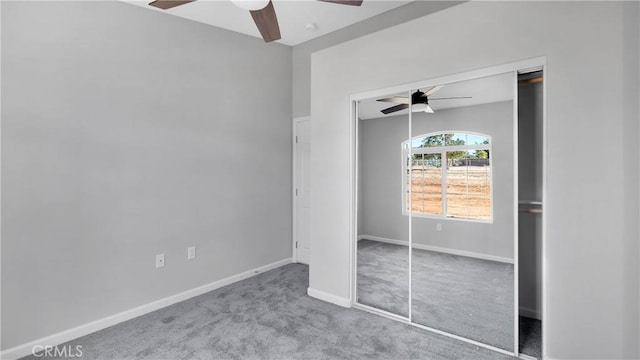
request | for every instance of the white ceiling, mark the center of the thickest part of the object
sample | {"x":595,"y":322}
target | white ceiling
{"x":293,"y":16}
{"x":482,"y":91}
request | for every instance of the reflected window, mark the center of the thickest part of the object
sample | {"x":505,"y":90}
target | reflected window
{"x":448,"y":174}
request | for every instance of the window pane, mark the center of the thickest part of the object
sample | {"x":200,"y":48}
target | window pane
{"x":469,"y":184}
{"x":426,"y":183}
{"x":455,"y":139}
{"x":428,"y":141}
{"x":479,"y":174}
{"x":407,"y":182}
{"x":477,"y":139}
{"x":457,"y":205}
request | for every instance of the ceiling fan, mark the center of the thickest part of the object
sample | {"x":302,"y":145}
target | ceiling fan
{"x":419,"y":101}
{"x":262,"y":11}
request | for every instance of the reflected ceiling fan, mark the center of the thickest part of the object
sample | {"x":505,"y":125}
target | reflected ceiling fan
{"x":419,"y":101}
{"x":262,"y":11}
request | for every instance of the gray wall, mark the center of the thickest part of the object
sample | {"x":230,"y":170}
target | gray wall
{"x":125,"y":133}
{"x":301,"y":54}
{"x":381,"y":179}
{"x":588,"y":228}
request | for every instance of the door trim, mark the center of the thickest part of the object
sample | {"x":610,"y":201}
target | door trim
{"x":294,"y":186}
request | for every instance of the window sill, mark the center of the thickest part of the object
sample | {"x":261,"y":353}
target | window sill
{"x":441,"y":217}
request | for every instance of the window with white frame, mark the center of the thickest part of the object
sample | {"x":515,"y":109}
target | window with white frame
{"x":448,"y":175}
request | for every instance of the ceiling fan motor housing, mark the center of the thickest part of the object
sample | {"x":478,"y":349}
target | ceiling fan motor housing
{"x":419,"y":97}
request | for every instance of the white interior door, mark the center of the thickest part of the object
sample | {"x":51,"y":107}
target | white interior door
{"x":301,"y":183}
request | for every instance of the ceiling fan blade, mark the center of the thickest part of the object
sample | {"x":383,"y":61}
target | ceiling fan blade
{"x":451,"y":98}
{"x":344,"y":2}
{"x":396,"y":99}
{"x":433,"y":90}
{"x":267,"y":22}
{"x":168,"y":4}
{"x":394,"y":108}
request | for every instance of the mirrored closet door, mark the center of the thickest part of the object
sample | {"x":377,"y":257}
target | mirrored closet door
{"x":382,"y":279}
{"x":436,"y":208}
{"x":462,"y":209}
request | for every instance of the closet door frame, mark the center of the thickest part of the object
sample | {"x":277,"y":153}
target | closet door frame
{"x":524,"y":66}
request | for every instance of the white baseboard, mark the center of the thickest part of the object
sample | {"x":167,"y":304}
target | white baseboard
{"x":530,"y":313}
{"x":438,"y":249}
{"x":324,"y":296}
{"x":385,"y":240}
{"x":86,"y":329}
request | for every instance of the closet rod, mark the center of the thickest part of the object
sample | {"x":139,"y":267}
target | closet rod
{"x":530,"y":210}
{"x":530,"y":206}
{"x":530,"y":202}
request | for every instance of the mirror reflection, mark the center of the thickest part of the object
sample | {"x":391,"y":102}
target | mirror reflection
{"x":462,"y":210}
{"x":382,"y":251}
{"x":436,"y":207}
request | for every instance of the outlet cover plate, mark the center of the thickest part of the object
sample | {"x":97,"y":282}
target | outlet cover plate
{"x":160,"y":260}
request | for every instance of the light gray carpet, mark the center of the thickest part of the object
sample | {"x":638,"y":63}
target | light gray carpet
{"x":269,"y":316}
{"x":383,"y":276}
{"x":465,"y":296}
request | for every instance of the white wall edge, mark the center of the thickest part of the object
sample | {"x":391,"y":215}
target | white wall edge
{"x":530,"y":313}
{"x":91,"y":327}
{"x":438,"y":249}
{"x":324,"y":296}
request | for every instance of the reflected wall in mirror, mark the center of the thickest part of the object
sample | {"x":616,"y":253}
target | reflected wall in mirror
{"x":382,"y":271}
{"x":461,"y":191}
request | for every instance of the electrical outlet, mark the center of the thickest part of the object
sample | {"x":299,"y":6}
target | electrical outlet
{"x":191,"y":252}
{"x":438,"y":227}
{"x":160,"y":260}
